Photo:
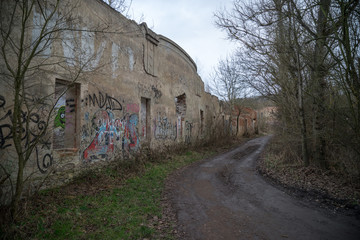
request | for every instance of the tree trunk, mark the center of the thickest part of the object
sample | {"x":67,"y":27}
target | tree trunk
{"x":319,"y":83}
{"x":17,"y":135}
{"x":302,"y":119}
{"x":18,"y":190}
{"x":304,"y":149}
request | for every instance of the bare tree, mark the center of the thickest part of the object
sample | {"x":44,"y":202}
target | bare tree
{"x":263,"y":27}
{"x":31,"y":33}
{"x":323,"y":32}
{"x":345,"y":15}
{"x":119,"y":5}
{"x":299,"y":53}
{"x":228,"y":83}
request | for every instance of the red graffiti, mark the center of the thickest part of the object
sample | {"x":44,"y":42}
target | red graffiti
{"x":132,"y":107}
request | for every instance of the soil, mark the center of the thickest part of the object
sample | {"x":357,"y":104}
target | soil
{"x":225,"y":197}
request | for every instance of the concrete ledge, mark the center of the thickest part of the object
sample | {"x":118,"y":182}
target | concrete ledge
{"x":164,"y":41}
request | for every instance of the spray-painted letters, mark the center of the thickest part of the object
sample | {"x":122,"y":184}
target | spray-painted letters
{"x":164,"y":129}
{"x":30,"y":135}
{"x":111,"y":132}
{"x":103,"y":101}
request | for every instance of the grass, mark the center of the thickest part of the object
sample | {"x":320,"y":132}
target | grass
{"x":113,"y":211}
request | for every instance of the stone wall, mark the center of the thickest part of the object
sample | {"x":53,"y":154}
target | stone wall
{"x":134,"y":88}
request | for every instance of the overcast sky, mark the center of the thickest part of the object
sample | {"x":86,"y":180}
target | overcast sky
{"x":189,"y":23}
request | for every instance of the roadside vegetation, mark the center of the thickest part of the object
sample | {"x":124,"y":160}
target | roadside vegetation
{"x":304,"y":56}
{"x":336,"y":188}
{"x":121,"y":201}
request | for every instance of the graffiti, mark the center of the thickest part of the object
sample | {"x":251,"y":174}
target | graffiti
{"x":107,"y":128}
{"x":70,"y":103}
{"x":86,"y":116}
{"x":130,"y":140}
{"x":59,"y":120}
{"x":46,"y":161}
{"x":157,"y":92}
{"x":164,"y":129}
{"x":2,"y":101}
{"x":149,"y":91}
{"x":5,"y":135}
{"x":132,"y":107}
{"x":70,"y":114}
{"x":103,"y":101}
{"x":45,"y":143}
{"x":143,"y":114}
{"x":188,"y":129}
{"x":29,"y":136}
{"x":108,"y":132}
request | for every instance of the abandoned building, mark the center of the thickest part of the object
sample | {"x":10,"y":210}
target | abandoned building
{"x":118,"y":87}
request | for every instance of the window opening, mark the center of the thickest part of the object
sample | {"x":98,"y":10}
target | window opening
{"x":65,"y":122}
{"x":180,"y":104}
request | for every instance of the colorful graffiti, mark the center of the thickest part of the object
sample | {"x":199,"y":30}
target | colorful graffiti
{"x":111,"y":132}
{"x":130,"y":139}
{"x":143,"y":114}
{"x":132,"y":107}
{"x":164,"y":129}
{"x":107,"y":130}
{"x":60,"y":118}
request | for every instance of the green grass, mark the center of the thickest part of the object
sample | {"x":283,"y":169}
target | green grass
{"x":121,"y":212}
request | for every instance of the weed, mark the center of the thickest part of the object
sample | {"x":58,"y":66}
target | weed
{"x":118,"y":202}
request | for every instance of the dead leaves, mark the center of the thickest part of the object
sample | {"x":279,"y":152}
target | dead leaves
{"x":325,"y":187}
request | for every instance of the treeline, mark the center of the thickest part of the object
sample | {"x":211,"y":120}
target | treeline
{"x":305,"y":56}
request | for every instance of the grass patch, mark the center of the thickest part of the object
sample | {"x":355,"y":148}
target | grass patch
{"x":118,"y":208}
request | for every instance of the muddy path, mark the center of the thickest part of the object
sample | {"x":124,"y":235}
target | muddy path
{"x":225,"y":198}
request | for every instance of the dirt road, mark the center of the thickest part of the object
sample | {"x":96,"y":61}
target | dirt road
{"x":224,"y":198}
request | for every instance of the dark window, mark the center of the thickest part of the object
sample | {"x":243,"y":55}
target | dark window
{"x":66,"y":115}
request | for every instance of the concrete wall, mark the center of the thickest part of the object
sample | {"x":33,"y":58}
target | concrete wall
{"x":136,"y":88}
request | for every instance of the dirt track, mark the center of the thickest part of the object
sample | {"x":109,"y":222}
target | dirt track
{"x":224,"y":198}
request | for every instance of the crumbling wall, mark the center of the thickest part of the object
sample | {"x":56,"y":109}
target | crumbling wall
{"x":244,"y":122}
{"x":137,"y":89}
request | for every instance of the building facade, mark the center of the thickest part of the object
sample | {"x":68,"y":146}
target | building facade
{"x":104,"y":86}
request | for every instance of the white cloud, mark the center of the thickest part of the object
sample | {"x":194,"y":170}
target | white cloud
{"x":189,"y":23}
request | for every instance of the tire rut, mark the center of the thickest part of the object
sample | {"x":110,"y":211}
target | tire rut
{"x":224,"y":198}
